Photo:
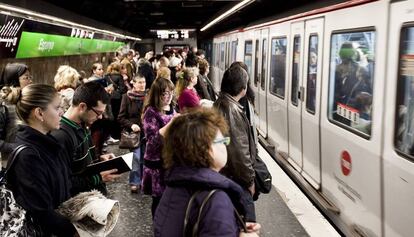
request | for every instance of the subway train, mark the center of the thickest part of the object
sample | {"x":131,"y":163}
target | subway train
{"x":334,"y":102}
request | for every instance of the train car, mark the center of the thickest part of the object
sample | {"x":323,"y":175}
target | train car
{"x":335,"y":106}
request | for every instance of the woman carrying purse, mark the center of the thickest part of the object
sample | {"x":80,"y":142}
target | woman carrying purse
{"x":130,"y":120}
{"x":39,"y":179}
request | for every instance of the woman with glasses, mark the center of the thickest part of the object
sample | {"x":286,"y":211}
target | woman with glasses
{"x":14,"y":77}
{"x":130,"y":120}
{"x":158,"y":112}
{"x":194,"y":153}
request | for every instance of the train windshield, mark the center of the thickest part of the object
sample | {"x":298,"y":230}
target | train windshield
{"x":351,"y":80}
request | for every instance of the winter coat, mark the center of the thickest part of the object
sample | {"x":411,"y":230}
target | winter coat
{"x":131,"y":108}
{"x":205,"y":88}
{"x":218,"y":217}
{"x":241,"y":153}
{"x":152,"y":177}
{"x":117,"y":81}
{"x":66,"y":97}
{"x":8,"y":129}
{"x":40,"y":182}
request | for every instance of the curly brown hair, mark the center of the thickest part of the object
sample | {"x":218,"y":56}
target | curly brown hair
{"x":188,"y":140}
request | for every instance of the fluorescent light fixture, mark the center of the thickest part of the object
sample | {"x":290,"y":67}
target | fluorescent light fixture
{"x":59,"y":21}
{"x":238,"y":6}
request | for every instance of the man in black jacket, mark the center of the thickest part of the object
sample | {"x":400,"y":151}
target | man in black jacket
{"x":88,"y":105}
{"x":242,"y":148}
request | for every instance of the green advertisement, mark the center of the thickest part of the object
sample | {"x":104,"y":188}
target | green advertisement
{"x":44,"y":45}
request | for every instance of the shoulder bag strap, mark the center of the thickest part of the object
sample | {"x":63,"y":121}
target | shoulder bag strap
{"x":187,"y":211}
{"x":209,"y":195}
{"x":239,"y":218}
{"x":13,"y":156}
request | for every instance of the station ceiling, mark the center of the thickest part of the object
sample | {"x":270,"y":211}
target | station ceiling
{"x":141,"y":16}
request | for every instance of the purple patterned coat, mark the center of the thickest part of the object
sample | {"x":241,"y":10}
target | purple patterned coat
{"x":153,"y":174}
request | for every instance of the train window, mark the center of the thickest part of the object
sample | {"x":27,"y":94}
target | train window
{"x":264,"y":64}
{"x":256,"y":63}
{"x":248,"y":48}
{"x":404,"y":127}
{"x":312,"y":72}
{"x":351,"y":78}
{"x":234,"y":53}
{"x":278,"y":67}
{"x":295,"y":70}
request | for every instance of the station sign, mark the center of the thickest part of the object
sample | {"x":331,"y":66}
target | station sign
{"x":26,"y":38}
{"x":45,"y":45}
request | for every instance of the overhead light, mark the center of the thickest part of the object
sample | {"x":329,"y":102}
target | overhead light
{"x":238,"y":6}
{"x":55,"y":20}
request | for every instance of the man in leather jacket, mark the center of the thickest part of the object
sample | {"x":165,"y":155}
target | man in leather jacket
{"x":242,"y":148}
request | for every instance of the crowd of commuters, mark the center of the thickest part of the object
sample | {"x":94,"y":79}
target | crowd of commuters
{"x":197,"y":145}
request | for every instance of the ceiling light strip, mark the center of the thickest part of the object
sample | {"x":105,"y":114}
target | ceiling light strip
{"x":227,"y":13}
{"x":64,"y":22}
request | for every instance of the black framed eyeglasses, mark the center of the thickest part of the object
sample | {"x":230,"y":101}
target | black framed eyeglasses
{"x":223,"y":140}
{"x":98,"y":113}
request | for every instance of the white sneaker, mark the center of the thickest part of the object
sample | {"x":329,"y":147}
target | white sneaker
{"x":112,"y":141}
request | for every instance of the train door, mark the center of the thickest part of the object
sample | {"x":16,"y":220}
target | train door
{"x":398,"y":168}
{"x":352,"y":110}
{"x":262,"y":76}
{"x":311,"y":82}
{"x":295,"y":94}
{"x":277,"y":100}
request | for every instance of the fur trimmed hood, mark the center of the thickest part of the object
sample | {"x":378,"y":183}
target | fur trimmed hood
{"x":92,"y":214}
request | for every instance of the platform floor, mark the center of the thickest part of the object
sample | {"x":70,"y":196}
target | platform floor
{"x":135,"y":218}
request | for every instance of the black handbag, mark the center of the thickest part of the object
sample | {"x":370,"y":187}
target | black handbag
{"x":129,"y":140}
{"x":263,"y":178}
{"x":14,"y":220}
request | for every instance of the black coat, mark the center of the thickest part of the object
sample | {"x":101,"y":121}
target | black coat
{"x":131,"y":109}
{"x":40,"y":182}
{"x":241,"y":152}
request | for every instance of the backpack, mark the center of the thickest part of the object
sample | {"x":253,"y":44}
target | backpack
{"x":263,"y":178}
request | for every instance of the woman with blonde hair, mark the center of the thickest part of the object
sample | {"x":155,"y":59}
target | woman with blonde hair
{"x":66,"y":80}
{"x":186,"y":93}
{"x":164,"y":72}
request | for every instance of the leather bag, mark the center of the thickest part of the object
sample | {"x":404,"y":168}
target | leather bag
{"x":129,"y":140}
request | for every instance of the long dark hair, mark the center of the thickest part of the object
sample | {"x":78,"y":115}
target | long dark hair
{"x":155,"y":94}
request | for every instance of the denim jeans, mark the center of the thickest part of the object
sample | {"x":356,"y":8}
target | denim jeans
{"x":135,"y":173}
